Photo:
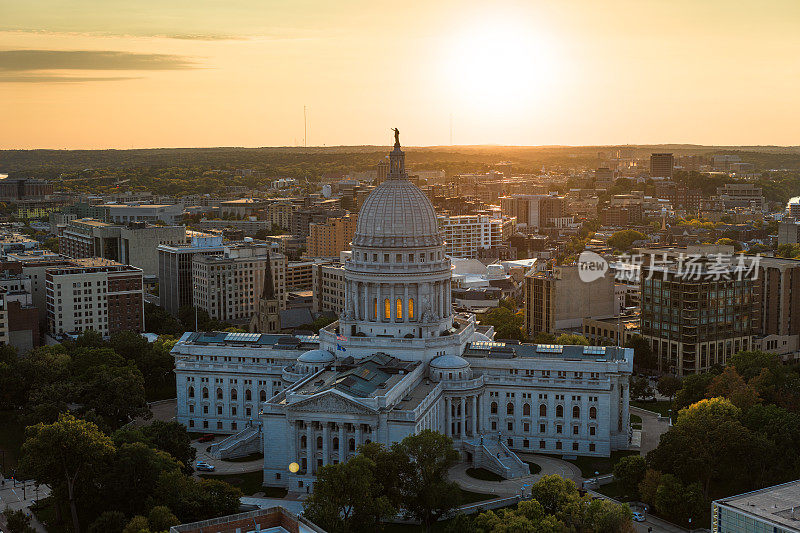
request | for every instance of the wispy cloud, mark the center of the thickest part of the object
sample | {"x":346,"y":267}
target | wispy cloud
{"x":33,"y":60}
{"x":51,"y":78}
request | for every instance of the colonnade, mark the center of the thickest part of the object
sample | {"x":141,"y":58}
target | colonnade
{"x":336,"y":439}
{"x":458,"y":411}
{"x":367,"y":300}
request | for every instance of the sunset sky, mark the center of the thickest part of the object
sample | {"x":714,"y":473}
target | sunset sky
{"x":165,"y":73}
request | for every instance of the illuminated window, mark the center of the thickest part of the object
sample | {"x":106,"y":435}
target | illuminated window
{"x":399,"y":309}
{"x":387,"y":308}
{"x":375,"y":308}
{"x":411,"y":308}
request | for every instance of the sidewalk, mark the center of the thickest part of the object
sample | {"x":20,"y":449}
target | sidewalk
{"x":21,"y":497}
{"x":512,"y":487}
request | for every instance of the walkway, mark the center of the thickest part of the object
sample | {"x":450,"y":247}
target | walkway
{"x":512,"y":487}
{"x":15,"y":498}
{"x":652,"y":428}
{"x":224,"y":467}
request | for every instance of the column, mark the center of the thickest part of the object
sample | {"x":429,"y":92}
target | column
{"x":447,"y":423}
{"x":463,"y":417}
{"x":380,"y":303}
{"x":405,"y":303}
{"x":440,"y":292}
{"x":358,"y":435}
{"x":325,"y":438}
{"x":342,"y":444}
{"x":392,"y":307}
{"x":354,"y":294}
{"x":474,"y":415}
{"x":310,"y":468}
{"x":292,"y":441}
{"x":448,"y":304}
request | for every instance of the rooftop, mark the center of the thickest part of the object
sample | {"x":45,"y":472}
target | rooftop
{"x":371,"y":377}
{"x":500,"y":350}
{"x":775,"y":504}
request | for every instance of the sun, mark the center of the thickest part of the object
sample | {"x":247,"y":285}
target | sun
{"x":498,"y":67}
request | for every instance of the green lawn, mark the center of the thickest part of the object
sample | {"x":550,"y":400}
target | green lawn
{"x":11,"y":438}
{"x":603,"y":465}
{"x":483,"y":474}
{"x":614,"y":490}
{"x":249,"y":483}
{"x":660,"y":407}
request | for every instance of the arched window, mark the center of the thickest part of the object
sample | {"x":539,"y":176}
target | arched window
{"x":234,"y":394}
{"x":387,"y":308}
{"x":191,"y":392}
{"x":205,"y":393}
{"x":593,"y":413}
{"x":335,"y":443}
{"x":526,"y":410}
{"x":262,"y":396}
{"x":399,"y":312}
{"x":302,"y":441}
{"x":248,"y":395}
{"x":510,"y":409}
{"x":219,"y":394}
{"x":411,"y":308}
{"x":559,"y":411}
{"x":576,"y":412}
{"x":542,"y":410}
{"x":351,"y":445}
{"x":319,"y":443}
{"x":494,"y":408}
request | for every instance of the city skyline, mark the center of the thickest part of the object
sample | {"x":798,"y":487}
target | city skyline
{"x":176,"y":74}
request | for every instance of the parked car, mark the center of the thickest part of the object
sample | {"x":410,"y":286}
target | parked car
{"x":638,"y":517}
{"x":208,"y":437}
{"x":204,"y":466}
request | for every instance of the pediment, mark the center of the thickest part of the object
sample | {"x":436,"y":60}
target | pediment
{"x":330,"y":402}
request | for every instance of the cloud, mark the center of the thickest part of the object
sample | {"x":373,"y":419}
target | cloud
{"x":48,"y":78}
{"x":32,"y":60}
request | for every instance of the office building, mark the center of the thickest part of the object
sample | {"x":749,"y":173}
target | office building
{"x":227,"y":286}
{"x":789,"y":230}
{"x":332,"y":237}
{"x":329,"y":288}
{"x":279,"y":213}
{"x":94,"y":294}
{"x":774,"y":509}
{"x":533,"y":210}
{"x":464,"y":235}
{"x":175,"y":269}
{"x":15,"y":190}
{"x":734,"y":195}
{"x":661,"y":165}
{"x":557,"y":299}
{"x":150,"y":213}
{"x":132,"y":244}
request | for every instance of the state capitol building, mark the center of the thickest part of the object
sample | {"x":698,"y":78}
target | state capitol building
{"x":399,"y":361}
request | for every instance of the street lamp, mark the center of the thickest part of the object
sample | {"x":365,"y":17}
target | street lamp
{"x":596,"y":475}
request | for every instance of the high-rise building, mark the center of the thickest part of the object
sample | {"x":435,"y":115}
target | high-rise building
{"x":789,"y":230}
{"x":132,"y":244}
{"x":328,"y":287}
{"x":661,"y":165}
{"x":94,"y":294}
{"x":696,"y":315}
{"x":557,"y":299}
{"x":464,"y":235}
{"x":779,"y":317}
{"x":332,"y":237}
{"x":228,"y":286}
{"x":533,"y":210}
{"x":152,"y":213}
{"x":279,"y":213}
{"x":175,"y":269}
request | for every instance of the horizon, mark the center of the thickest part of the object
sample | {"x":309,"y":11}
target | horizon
{"x":180,"y":75}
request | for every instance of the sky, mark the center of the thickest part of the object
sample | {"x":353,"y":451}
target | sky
{"x":183,"y":73}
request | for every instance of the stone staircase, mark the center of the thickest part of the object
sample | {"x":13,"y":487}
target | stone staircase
{"x":242,"y":444}
{"x":493,"y":455}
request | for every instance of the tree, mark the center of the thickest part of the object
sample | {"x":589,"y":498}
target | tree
{"x":649,"y":485}
{"x":640,"y":388}
{"x":137,"y":524}
{"x":507,"y":323}
{"x":63,"y":453}
{"x":192,"y":500}
{"x":677,"y":501}
{"x":623,"y":240}
{"x":643,"y":356}
{"x":109,"y":522}
{"x":426,"y":492}
{"x":17,"y":521}
{"x":544,"y":338}
{"x":161,"y":518}
{"x":732,"y":386}
{"x":345,"y":497}
{"x":630,"y":471}
{"x":571,"y":339}
{"x":170,"y":437}
{"x":668,"y":385}
{"x":737,"y":246}
{"x":693,"y":389}
{"x":707,"y":443}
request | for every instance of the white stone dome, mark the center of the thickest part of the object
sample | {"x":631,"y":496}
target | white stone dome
{"x":316,"y":356}
{"x":397,"y":214}
{"x":449,"y":362}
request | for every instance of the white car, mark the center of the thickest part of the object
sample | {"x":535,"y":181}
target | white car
{"x":204,"y":466}
{"x":638,"y":517}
